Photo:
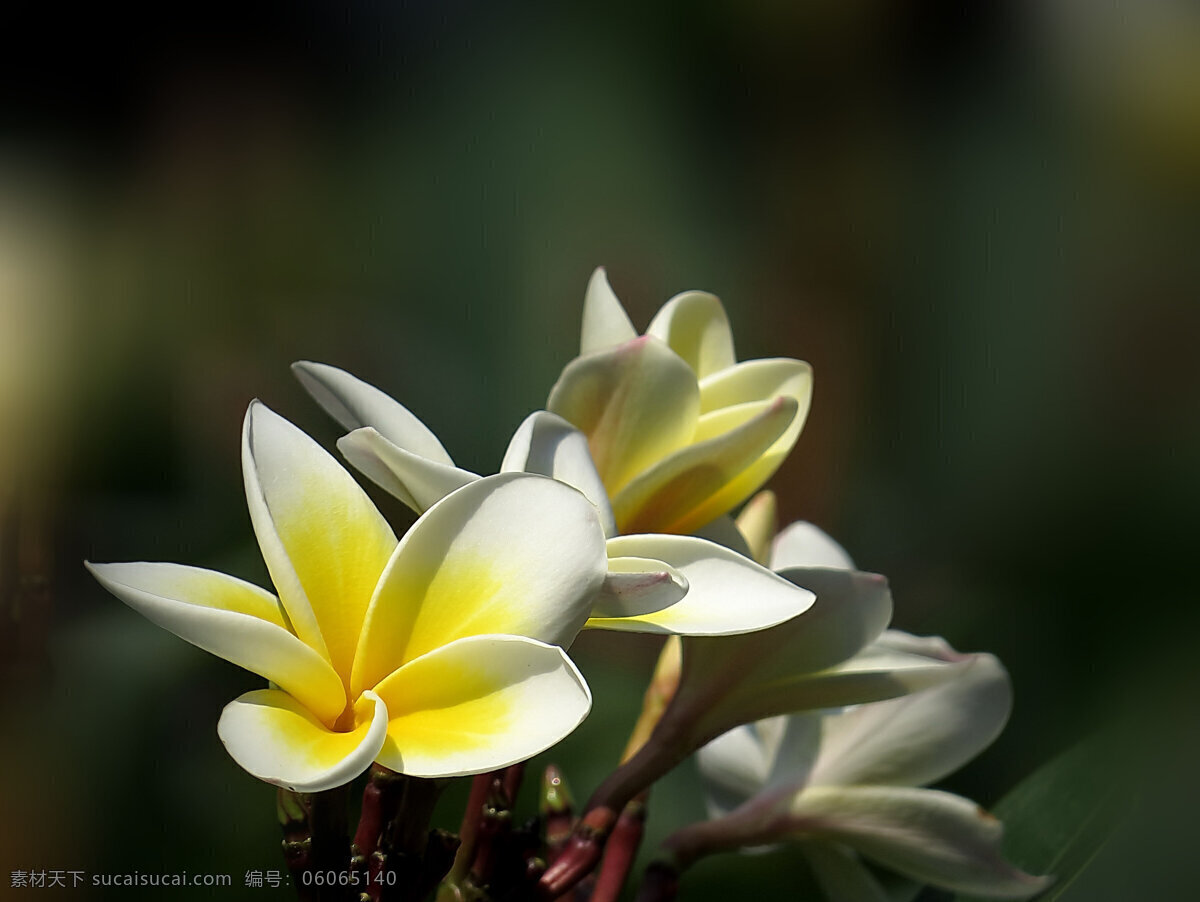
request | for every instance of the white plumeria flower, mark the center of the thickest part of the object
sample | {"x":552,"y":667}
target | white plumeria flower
{"x":680,"y":431}
{"x":435,"y":656}
{"x":845,"y":782}
{"x":656,"y":583}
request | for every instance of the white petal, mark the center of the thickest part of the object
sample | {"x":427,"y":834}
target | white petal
{"x":479,"y":704}
{"x":933,"y":837}
{"x":767,"y":755}
{"x":417,"y":481}
{"x":918,"y":738}
{"x":513,"y":553}
{"x":324,"y":542}
{"x":734,"y":767}
{"x":547,"y":444}
{"x":605,"y":322}
{"x":738,"y":679}
{"x":696,"y":328}
{"x":231,"y":619}
{"x":636,"y":586}
{"x":355,"y":404}
{"x":278,"y":740}
{"x":727,"y":593}
{"x":804,"y":545}
{"x":724,"y":531}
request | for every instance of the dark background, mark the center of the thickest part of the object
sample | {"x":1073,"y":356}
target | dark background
{"x":977,"y":222}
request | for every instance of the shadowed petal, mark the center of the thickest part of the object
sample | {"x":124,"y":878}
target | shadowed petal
{"x":804,"y":545}
{"x":727,"y":593}
{"x":547,"y":444}
{"x":417,"y":481}
{"x":637,"y":586}
{"x":919,"y":738}
{"x":636,"y":403}
{"x":355,"y":404}
{"x":931,"y":836}
{"x":732,"y":449}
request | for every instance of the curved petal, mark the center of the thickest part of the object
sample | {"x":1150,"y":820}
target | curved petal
{"x":696,"y":328}
{"x":605,"y":322}
{"x":739,"y":679}
{"x":757,"y":522}
{"x":324,"y":542}
{"x":734,"y":767}
{"x":758,"y":380}
{"x":417,"y":481}
{"x":636,"y":586}
{"x":919,"y":738}
{"x":724,"y":531}
{"x":727,"y":593}
{"x":768,"y":755}
{"x":231,"y":619}
{"x":804,"y":545}
{"x":697,"y":484}
{"x":931,"y":836}
{"x":278,"y":740}
{"x":547,"y":444}
{"x":513,"y":553}
{"x":478,"y":704}
{"x":355,"y":404}
{"x":636,"y":403}
{"x":842,"y":876}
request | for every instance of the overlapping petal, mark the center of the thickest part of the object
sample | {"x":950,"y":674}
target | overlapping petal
{"x":478,"y":704}
{"x":418,"y":481}
{"x":547,"y":444}
{"x":636,"y":586}
{"x":277,"y":739}
{"x":730,"y":450}
{"x":637,"y":403}
{"x":231,"y":619}
{"x":804,"y":545}
{"x":727,"y":593}
{"x":931,"y":836}
{"x":919,"y":738}
{"x":734,"y":680}
{"x":324,"y":542}
{"x":477,"y":563}
{"x":693,"y":324}
{"x":355,"y":404}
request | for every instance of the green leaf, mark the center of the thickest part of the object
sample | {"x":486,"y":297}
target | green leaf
{"x":1058,"y":818}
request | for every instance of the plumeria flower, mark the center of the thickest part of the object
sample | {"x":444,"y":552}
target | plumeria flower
{"x":845,"y":782}
{"x":656,"y":583}
{"x":681,"y":432}
{"x":436,"y":656}
{"x":846,"y":785}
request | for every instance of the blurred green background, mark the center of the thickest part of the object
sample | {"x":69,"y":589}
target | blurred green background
{"x":977,"y":222}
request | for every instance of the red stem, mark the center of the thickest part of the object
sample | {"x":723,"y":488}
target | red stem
{"x":621,"y":850}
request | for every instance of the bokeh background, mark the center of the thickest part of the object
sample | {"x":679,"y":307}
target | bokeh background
{"x":977,"y":221}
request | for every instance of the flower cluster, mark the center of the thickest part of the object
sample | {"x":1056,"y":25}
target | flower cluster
{"x":443,"y":652}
